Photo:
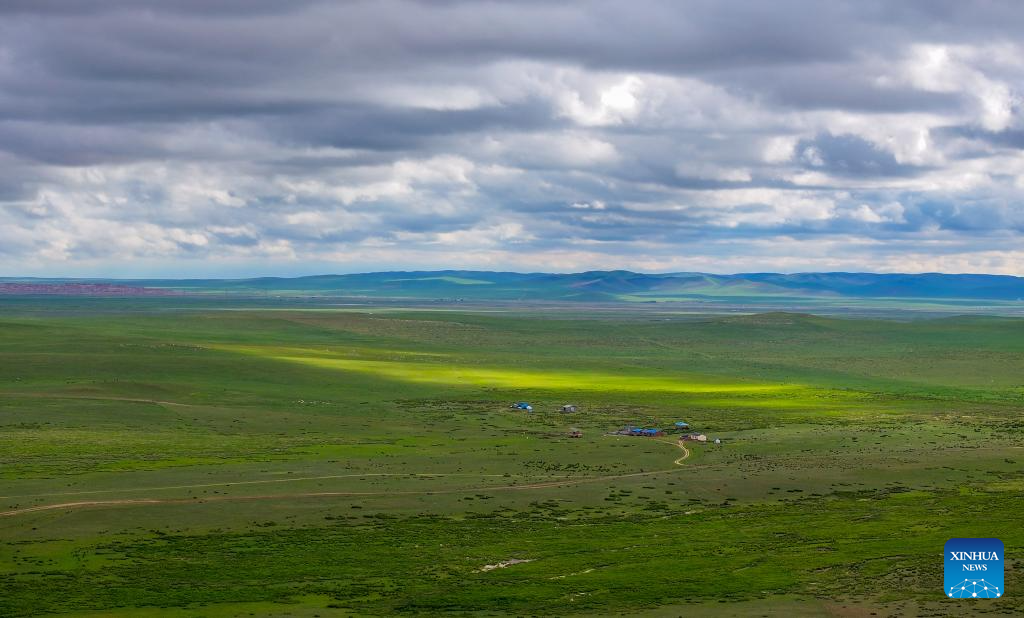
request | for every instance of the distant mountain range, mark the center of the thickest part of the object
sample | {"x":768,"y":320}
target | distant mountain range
{"x":65,"y":288}
{"x":593,"y":286}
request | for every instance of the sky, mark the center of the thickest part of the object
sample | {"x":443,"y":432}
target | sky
{"x":257,"y":137}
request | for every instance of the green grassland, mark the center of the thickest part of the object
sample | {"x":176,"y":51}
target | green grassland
{"x":162,"y":458}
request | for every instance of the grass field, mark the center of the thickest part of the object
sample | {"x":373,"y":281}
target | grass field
{"x":166,"y":461}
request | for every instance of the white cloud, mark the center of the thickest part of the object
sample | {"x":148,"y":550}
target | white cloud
{"x":891,"y":212}
{"x":954,"y":69}
{"x":402,"y":133}
{"x":778,"y":149}
{"x":616,"y":103}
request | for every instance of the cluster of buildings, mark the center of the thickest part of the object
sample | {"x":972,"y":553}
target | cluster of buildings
{"x":525,"y":406}
{"x":679,"y":427}
{"x":640,"y":431}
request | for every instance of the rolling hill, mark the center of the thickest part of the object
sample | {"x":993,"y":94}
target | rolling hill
{"x":591,"y":286}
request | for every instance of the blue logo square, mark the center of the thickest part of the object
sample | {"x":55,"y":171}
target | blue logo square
{"x":974,"y":569}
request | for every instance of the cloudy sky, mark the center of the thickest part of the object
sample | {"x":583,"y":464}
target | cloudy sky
{"x":248,"y":137}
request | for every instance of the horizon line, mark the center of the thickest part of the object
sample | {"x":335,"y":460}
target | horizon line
{"x":9,"y":278}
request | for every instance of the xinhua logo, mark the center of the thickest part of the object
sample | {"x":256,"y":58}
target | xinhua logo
{"x":974,"y":568}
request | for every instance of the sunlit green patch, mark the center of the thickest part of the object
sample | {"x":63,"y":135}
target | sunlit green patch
{"x":454,"y":374}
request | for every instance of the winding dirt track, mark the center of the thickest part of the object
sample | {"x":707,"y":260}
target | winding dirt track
{"x":259,"y":482}
{"x":686,"y":451}
{"x":99,"y":398}
{"x":327,"y":494}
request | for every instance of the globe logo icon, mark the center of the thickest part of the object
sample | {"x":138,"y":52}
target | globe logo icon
{"x":974,"y":589}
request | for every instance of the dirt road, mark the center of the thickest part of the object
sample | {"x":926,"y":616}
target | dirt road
{"x":327,"y":494}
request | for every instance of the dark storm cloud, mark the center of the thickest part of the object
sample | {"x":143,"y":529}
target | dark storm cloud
{"x":315,"y":130}
{"x":75,"y":145}
{"x":376,"y":127}
{"x":144,"y":52}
